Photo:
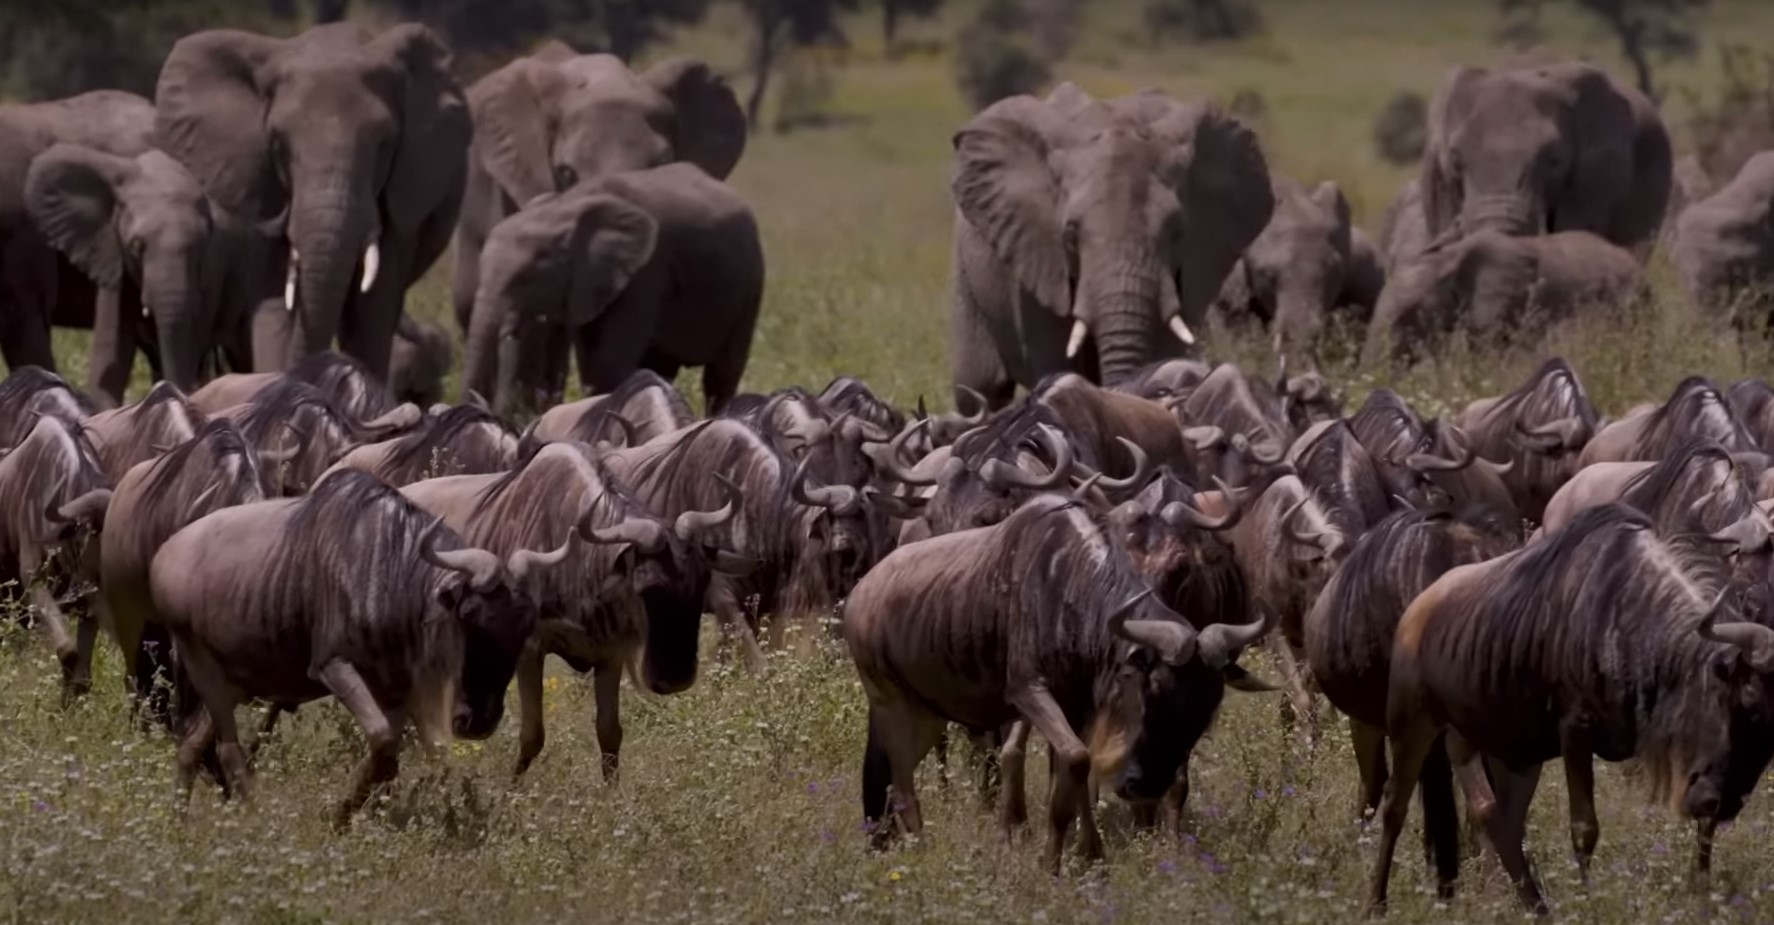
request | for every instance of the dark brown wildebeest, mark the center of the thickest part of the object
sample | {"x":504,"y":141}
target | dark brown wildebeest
{"x":1699,"y":486}
{"x":56,"y":495}
{"x":800,"y":428}
{"x":1649,"y":432}
{"x":1040,"y":619}
{"x":991,"y":470}
{"x":1599,"y":641}
{"x":810,"y":542}
{"x":30,"y":391}
{"x":1753,"y":401}
{"x":643,"y":407}
{"x":866,"y":409}
{"x":1347,"y":635}
{"x":634,"y":587}
{"x":1426,"y":463}
{"x":128,"y":435}
{"x":1392,"y":431}
{"x":290,"y":414}
{"x":1166,"y":380}
{"x":1540,"y":429}
{"x":155,"y":499}
{"x":1306,"y":399}
{"x":342,"y":379}
{"x":1338,"y":471}
{"x":351,"y":591}
{"x":1097,"y":420}
{"x":1233,"y":435}
{"x":464,"y":440}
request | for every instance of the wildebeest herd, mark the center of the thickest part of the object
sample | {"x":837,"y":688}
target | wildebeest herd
{"x":274,"y":522}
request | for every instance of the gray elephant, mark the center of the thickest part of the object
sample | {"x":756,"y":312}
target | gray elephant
{"x":1090,"y":235}
{"x":1724,"y":243}
{"x":356,"y":143}
{"x":142,"y":225}
{"x":423,"y":353}
{"x":1404,"y":230}
{"x":1494,"y":287}
{"x":654,"y":269}
{"x":1308,"y":262}
{"x":38,"y":287}
{"x":1542,"y":147}
{"x":547,"y":121}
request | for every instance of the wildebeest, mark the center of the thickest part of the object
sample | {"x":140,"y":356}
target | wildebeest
{"x":1165,"y":380}
{"x":635,"y":586}
{"x":798,"y":426}
{"x":464,"y":440}
{"x":55,"y":498}
{"x":1347,"y":635}
{"x":342,"y":379}
{"x":1341,"y":475}
{"x":1097,"y":419}
{"x":1695,"y":409}
{"x":1698,"y":486}
{"x":1041,"y":618}
{"x":992,"y":469}
{"x":850,"y":394}
{"x":1425,"y":463}
{"x":32,"y":390}
{"x":291,"y":415}
{"x":1223,"y":413}
{"x":1540,"y":429}
{"x":352,"y":591}
{"x":155,"y":499}
{"x":143,"y":430}
{"x":643,"y":407}
{"x":1753,"y":400}
{"x":1602,"y":640}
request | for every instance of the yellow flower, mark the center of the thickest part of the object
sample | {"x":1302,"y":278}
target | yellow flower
{"x":894,"y":876}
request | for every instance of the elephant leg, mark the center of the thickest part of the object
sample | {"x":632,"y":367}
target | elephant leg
{"x":720,"y":378}
{"x":25,"y":293}
{"x":113,"y":355}
{"x":465,"y":278}
{"x":974,"y":362}
{"x":273,"y":329}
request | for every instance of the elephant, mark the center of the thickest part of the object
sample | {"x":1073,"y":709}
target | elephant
{"x":1724,"y":244}
{"x":1404,"y":230}
{"x":356,"y":144}
{"x":1308,"y":262}
{"x":38,"y":286}
{"x":549,"y":120}
{"x":654,"y":269}
{"x":143,"y":226}
{"x":1493,"y":286}
{"x":421,"y":361}
{"x":1540,"y":147}
{"x":1114,"y":220}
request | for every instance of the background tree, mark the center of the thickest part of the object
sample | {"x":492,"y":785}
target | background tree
{"x":1401,"y":130}
{"x":1664,"y":29}
{"x":780,"y":24}
{"x":1738,"y":121}
{"x":1201,"y":21}
{"x":57,"y":48}
{"x":995,"y":56}
{"x":893,"y":11}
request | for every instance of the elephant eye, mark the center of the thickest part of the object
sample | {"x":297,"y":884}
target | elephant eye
{"x":564,"y":177}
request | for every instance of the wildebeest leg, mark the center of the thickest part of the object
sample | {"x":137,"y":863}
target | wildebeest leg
{"x":53,"y":624}
{"x":192,"y":748}
{"x":607,"y":689}
{"x":1013,"y":804}
{"x":267,"y":726}
{"x":1070,"y":770}
{"x":1580,"y":782}
{"x":1171,"y":807}
{"x":530,"y":735}
{"x":723,"y":601}
{"x":1702,"y":872}
{"x":86,"y":636}
{"x":1299,"y":711}
{"x":219,"y":700}
{"x":382,"y":761}
{"x":1411,"y":739}
{"x":1506,"y":829}
{"x":988,"y":768}
{"x":1370,"y":761}
{"x":1441,"y":821}
{"x":899,"y":737}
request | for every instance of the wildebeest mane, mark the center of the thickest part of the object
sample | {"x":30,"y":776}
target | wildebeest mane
{"x":1337,"y":469}
{"x":19,"y":393}
{"x":1667,"y":494}
{"x":1578,"y":402}
{"x":219,"y":440}
{"x":1690,"y":412}
{"x":1385,"y":423}
{"x":345,"y":382}
{"x":1753,"y":400}
{"x":847,"y":393}
{"x":451,"y":441}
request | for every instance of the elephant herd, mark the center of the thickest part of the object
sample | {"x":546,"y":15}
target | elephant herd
{"x":1095,"y":236}
{"x":279,"y":195}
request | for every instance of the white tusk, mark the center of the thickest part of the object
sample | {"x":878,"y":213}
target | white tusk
{"x":1077,"y":340}
{"x":289,"y":285}
{"x":1181,"y":329}
{"x":145,"y":312}
{"x":372,"y":261}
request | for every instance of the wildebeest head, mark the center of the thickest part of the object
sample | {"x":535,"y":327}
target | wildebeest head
{"x":1391,"y":431}
{"x":1541,"y":428}
{"x":1307,"y":399}
{"x":829,"y":444}
{"x":1340,"y":473}
{"x":1181,"y":551}
{"x":992,"y":469}
{"x":847,"y":394}
{"x":1165,"y":380}
{"x":1457,"y":476}
{"x":1234,"y":436}
{"x":1696,"y":488}
{"x":1753,"y":401}
{"x":291,"y":415}
{"x":1695,"y":408}
{"x":55,"y":476}
{"x":646,"y":402}
{"x":29,"y":391}
{"x":346,"y":383}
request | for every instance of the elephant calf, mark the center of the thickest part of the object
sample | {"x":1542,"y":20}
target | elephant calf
{"x":654,"y":269}
{"x":1724,"y":244}
{"x":1494,"y":286}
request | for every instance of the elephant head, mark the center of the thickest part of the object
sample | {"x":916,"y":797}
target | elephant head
{"x":1122,"y":216}
{"x":1292,"y":275}
{"x":143,"y":218}
{"x":555,"y":266}
{"x":550,"y":120}
{"x":1533,"y":149}
{"x":341,"y":137}
{"x":420,"y":361}
{"x":1475,"y":284}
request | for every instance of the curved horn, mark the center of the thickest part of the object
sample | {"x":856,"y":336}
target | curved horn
{"x":1429,"y":462}
{"x":690,"y":524}
{"x":1267,"y":459}
{"x":630,"y":436}
{"x":1221,"y":642}
{"x":527,"y":561}
{"x":959,"y":449}
{"x":481,"y":567}
{"x":1756,"y":640}
{"x":1174,"y":641}
{"x":1317,"y":538}
{"x":1082,"y":492}
{"x":979,"y":402}
{"x":1000,"y":472}
{"x":839,"y":499}
{"x":1142,"y":471}
{"x":888,"y":458}
{"x":1205,"y":436}
{"x":88,"y":506}
{"x":197,"y":504}
{"x":1075,"y":342}
{"x":404,"y":417}
{"x":767,"y":417}
{"x":1178,"y":514}
{"x":1566,"y":433}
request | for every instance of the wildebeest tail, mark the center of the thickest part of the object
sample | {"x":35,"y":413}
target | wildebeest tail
{"x":1441,"y":822}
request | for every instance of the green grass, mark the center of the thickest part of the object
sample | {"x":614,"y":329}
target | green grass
{"x":739,"y":798}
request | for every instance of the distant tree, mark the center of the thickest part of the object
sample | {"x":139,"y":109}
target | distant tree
{"x":1663,"y":29}
{"x":56,"y":48}
{"x":892,"y":11}
{"x":1401,"y":130}
{"x":779,"y":24}
{"x":1201,"y":21}
{"x":501,"y":28}
{"x":994,"y":57}
{"x":1739,"y":121}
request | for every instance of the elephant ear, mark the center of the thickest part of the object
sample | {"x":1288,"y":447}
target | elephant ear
{"x":1440,"y":184}
{"x":1329,"y":197}
{"x":71,"y":195}
{"x":210,"y":116}
{"x":613,"y":239}
{"x":1218,"y":173}
{"x":513,"y":109}
{"x":431,"y":160}
{"x":1007,"y":192}
{"x":709,"y":130}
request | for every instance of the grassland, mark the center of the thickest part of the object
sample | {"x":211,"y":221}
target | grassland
{"x":739,"y":799}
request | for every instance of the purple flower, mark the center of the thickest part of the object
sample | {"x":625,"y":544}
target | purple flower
{"x":1213,"y":811}
{"x":826,"y":836}
{"x":868,"y":826}
{"x":1288,"y":790}
{"x":1259,"y":793}
{"x":1659,"y":848}
{"x":40,"y":806}
{"x":812,"y":786}
{"x":1167,"y":866}
{"x":1188,"y":838}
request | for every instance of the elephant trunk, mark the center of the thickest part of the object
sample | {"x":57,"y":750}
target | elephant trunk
{"x":330,"y":230}
{"x":171,"y":296}
{"x":482,"y":368}
{"x":1124,"y":306}
{"x":1518,"y":213}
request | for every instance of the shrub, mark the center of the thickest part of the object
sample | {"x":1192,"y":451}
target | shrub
{"x":1402,"y":128}
{"x":1202,"y":20}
